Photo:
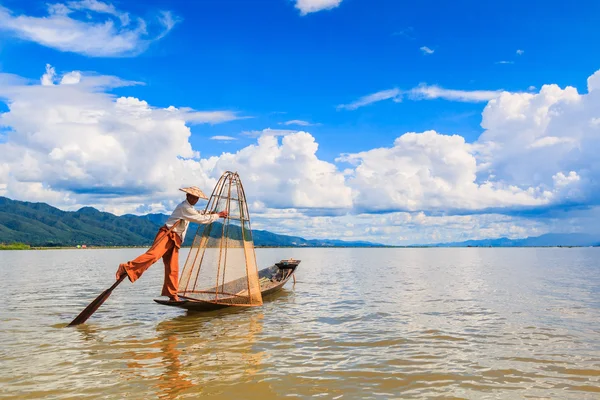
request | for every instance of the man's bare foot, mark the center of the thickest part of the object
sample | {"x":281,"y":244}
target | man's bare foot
{"x":174,"y":298}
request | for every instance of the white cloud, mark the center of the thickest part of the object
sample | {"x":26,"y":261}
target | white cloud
{"x":223,"y":138}
{"x":537,"y":150}
{"x":435,"y":92}
{"x":298,"y":122}
{"x":205,"y":117}
{"x":593,"y":82}
{"x":85,"y":146}
{"x":71,"y":78}
{"x":168,"y":21}
{"x":286,"y":173}
{"x":93,"y":5}
{"x":400,"y":228}
{"x":109,"y":33}
{"x":430,"y":171}
{"x":533,"y":138}
{"x":423,"y":92}
{"x":426,"y":50}
{"x":561,"y":179}
{"x":505,"y":62}
{"x":48,"y":78}
{"x":394,"y":94}
{"x":310,"y":6}
{"x":520,"y":52}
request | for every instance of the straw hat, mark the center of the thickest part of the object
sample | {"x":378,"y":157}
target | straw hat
{"x":194,"y":191}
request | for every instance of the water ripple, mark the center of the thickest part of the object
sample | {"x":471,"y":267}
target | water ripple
{"x":359,"y":323}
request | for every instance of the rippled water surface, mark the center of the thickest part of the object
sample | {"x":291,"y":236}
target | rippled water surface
{"x":359,"y":323}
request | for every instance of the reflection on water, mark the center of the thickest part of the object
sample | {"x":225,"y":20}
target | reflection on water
{"x":181,"y":358}
{"x":172,"y":381}
{"x":360,"y":323}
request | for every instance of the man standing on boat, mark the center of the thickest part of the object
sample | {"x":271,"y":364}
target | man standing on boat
{"x":168,"y":241}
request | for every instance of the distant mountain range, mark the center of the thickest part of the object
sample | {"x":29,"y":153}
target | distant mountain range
{"x":39,"y":224}
{"x":547,"y":240}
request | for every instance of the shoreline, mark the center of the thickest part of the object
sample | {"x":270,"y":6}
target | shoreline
{"x":27,"y":247}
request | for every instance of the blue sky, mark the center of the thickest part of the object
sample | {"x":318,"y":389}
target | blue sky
{"x":269,"y":62}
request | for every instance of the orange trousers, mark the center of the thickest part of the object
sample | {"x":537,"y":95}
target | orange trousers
{"x":166,"y":245}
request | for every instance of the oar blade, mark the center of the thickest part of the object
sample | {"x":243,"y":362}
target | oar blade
{"x":94,"y":305}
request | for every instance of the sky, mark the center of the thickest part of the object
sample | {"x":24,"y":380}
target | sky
{"x":388,"y":121}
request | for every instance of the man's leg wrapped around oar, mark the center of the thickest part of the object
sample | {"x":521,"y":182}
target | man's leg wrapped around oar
{"x":166,"y":245}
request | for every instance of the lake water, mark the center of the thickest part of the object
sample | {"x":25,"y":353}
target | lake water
{"x":359,"y":323}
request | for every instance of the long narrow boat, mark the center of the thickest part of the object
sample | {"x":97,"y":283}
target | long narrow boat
{"x":271,"y":280}
{"x":220,"y":270}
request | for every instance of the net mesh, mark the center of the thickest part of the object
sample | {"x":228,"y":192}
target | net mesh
{"x":221,"y":265}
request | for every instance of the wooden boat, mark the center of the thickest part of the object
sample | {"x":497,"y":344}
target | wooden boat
{"x":271,"y":280}
{"x":220,"y":269}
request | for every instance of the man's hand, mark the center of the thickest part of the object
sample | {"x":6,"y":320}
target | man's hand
{"x":223,"y":214}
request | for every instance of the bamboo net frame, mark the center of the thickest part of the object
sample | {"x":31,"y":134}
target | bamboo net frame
{"x":221,"y":265}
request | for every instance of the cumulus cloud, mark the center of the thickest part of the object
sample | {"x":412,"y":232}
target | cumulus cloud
{"x":434,"y":172}
{"x":89,"y":27}
{"x":538,"y":150}
{"x":310,"y":6}
{"x":520,"y":52}
{"x":401,"y":228}
{"x":84,"y":145}
{"x":286,"y":173}
{"x":91,"y":82}
{"x":531,"y":137}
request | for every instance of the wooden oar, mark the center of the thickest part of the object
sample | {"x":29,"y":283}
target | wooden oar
{"x":89,"y":310}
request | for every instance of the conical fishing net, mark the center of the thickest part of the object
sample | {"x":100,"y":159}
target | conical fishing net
{"x":221,"y":266}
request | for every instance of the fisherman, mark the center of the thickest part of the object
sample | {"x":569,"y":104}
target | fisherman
{"x":168,"y":240}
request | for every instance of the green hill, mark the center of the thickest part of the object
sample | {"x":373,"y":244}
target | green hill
{"x":38,"y":224}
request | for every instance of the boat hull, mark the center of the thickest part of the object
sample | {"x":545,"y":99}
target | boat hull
{"x":272,"y":279}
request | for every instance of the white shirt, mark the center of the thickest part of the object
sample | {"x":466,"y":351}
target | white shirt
{"x":186,"y":212}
